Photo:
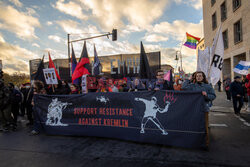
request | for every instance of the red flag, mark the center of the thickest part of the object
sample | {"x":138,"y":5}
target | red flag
{"x":51,"y":65}
{"x":80,"y":69}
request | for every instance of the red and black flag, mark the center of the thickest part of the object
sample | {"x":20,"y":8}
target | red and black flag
{"x":82,"y":67}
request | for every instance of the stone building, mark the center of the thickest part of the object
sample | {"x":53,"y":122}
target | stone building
{"x":234,"y":17}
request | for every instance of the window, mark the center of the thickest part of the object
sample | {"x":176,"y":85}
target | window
{"x":223,"y":11}
{"x":238,"y":31}
{"x":214,"y":22}
{"x":213,"y":2}
{"x":236,"y":4}
{"x":225,"y":39}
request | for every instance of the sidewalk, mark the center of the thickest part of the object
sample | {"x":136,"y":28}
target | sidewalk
{"x":220,"y":104}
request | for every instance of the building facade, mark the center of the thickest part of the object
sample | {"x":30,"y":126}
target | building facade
{"x":200,"y":45}
{"x":234,"y":18}
{"x":115,"y":66}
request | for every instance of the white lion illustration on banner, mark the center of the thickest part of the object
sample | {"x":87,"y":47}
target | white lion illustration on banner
{"x":150,"y":113}
{"x":54,"y":115}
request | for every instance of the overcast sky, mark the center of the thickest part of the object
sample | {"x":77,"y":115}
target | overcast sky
{"x":31,"y":28}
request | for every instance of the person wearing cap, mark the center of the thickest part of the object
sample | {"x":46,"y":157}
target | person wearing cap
{"x":237,"y":92}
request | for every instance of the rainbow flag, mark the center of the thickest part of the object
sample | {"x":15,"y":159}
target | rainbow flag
{"x":191,"y":41}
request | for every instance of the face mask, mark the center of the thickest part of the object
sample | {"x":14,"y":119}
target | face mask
{"x":27,"y":87}
{"x":180,"y":82}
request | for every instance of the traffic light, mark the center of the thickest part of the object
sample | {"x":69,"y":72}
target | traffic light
{"x":114,"y":34}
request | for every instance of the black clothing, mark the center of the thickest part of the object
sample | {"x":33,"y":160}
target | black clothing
{"x":166,"y":85}
{"x":228,"y":93}
{"x":29,"y":106}
{"x":236,"y":89}
{"x":219,"y":86}
{"x":16,"y":98}
{"x":237,"y":107}
{"x":5,"y":106}
{"x":237,"y":92}
{"x":23,"y":103}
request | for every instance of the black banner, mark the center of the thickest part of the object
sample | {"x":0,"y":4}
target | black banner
{"x":160,"y":117}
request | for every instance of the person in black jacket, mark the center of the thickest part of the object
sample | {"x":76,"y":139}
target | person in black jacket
{"x":65,"y":87}
{"x":5,"y":107}
{"x":29,"y":107}
{"x":16,"y":98}
{"x":24,"y":90}
{"x":237,"y":92}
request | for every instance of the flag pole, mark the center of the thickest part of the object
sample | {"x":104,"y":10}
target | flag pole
{"x":180,"y":52}
{"x":69,"y":55}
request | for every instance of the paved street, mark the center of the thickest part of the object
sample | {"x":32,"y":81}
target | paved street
{"x":229,"y":138}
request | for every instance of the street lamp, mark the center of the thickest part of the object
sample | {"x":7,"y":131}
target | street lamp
{"x":176,"y":58}
{"x":114,"y":38}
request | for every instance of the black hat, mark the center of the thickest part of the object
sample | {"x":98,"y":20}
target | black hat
{"x":236,"y":77}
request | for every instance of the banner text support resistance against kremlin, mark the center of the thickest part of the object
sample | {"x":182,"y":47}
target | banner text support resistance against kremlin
{"x":81,"y":112}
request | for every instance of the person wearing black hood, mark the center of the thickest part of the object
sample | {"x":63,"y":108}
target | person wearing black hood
{"x":65,"y":87}
{"x":61,"y":88}
{"x":5,"y":107}
{"x":24,"y":91}
{"x":16,"y":98}
{"x":237,"y":92}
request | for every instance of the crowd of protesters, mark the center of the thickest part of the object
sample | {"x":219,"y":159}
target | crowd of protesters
{"x":18,"y":101}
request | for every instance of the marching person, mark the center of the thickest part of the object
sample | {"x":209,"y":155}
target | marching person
{"x":226,"y":84}
{"x":24,"y":90}
{"x":65,"y":87}
{"x":237,"y":92}
{"x":16,"y":98}
{"x":245,"y":98}
{"x":29,"y":107}
{"x":5,"y":107}
{"x":198,"y":82}
{"x":38,"y":88}
{"x":219,"y":86}
{"x":74,"y":89}
{"x":111,"y":86}
{"x":247,"y":85}
{"x":101,"y":85}
{"x":137,"y":85}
